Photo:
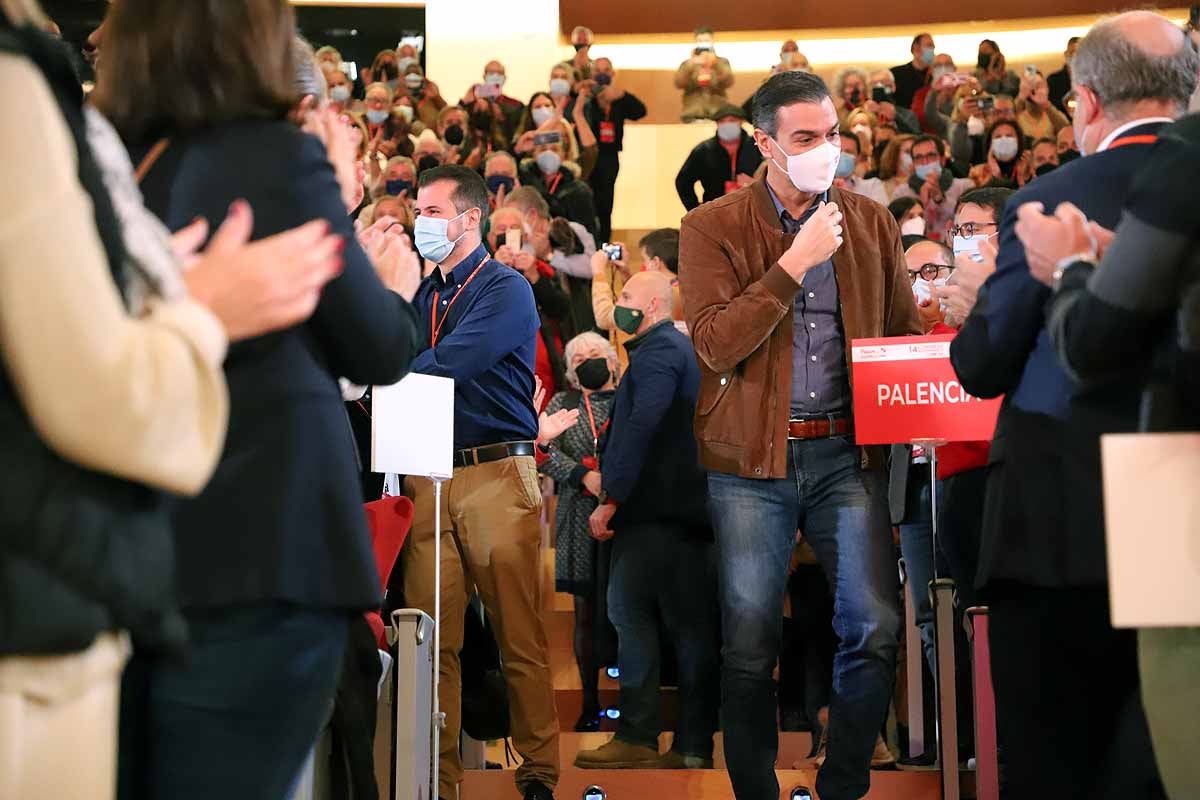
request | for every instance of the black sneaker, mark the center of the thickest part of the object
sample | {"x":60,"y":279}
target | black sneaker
{"x":588,"y":722}
{"x":536,"y":790}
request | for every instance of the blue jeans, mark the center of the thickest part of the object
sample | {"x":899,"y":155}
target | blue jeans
{"x":665,"y":572}
{"x":235,"y":719}
{"x":843,"y":512}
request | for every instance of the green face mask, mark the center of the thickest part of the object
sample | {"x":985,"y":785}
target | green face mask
{"x":628,"y":319}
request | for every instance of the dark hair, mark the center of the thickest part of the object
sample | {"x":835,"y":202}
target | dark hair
{"x":238,"y":63}
{"x":852,"y":136}
{"x":917,"y":40}
{"x":1073,"y":40}
{"x":992,"y":43}
{"x":469,"y":189}
{"x":784,"y":89}
{"x":1045,"y":140}
{"x":902,"y":205}
{"x":907,"y":240}
{"x":663,"y":244}
{"x":993,"y":197}
{"x":937,"y":140}
{"x":702,"y":29}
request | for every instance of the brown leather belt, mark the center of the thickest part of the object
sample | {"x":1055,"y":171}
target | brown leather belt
{"x":820,"y":427}
{"x":491,"y":452}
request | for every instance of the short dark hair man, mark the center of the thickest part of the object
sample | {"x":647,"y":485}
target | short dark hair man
{"x":481,"y":325}
{"x":777,"y":279}
{"x":914,"y":74}
{"x":1042,"y":559}
{"x":1060,"y":82}
{"x":722,"y":164}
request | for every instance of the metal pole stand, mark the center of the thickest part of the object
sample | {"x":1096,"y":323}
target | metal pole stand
{"x":439,"y":717}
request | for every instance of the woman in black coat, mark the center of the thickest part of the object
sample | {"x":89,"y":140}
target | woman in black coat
{"x":273,"y":559}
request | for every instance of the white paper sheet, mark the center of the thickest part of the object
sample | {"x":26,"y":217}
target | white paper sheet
{"x":1152,"y":521}
{"x":412,"y":427}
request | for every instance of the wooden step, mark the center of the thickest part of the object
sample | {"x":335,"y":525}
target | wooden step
{"x":712,"y":784}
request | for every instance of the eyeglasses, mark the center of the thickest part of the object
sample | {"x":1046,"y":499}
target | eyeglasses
{"x":968,"y":229}
{"x":930,"y":272}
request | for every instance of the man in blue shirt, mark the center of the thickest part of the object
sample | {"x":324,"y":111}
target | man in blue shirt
{"x":479,"y":322}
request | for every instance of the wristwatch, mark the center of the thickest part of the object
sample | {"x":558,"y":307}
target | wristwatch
{"x":604,"y":499}
{"x":1063,"y":264}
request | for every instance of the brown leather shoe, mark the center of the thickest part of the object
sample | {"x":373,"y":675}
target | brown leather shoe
{"x":616,"y":754}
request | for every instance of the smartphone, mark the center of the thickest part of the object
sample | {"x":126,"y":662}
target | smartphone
{"x":489,"y":90}
{"x":987,"y":103}
{"x":1031,"y":71}
{"x":614,"y":252}
{"x":549,"y":137}
{"x":881,"y":94}
{"x":512,"y":238}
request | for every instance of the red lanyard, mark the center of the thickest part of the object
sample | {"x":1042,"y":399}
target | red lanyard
{"x":733,"y":154}
{"x":1145,"y":138}
{"x":596,"y":434}
{"x":552,"y":185}
{"x":435,"y":327}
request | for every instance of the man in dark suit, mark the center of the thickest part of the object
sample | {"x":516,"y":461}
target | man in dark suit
{"x":722,"y":164}
{"x":1060,"y":82}
{"x":1062,"y":674}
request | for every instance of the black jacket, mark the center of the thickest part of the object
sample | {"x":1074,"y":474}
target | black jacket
{"x":710,"y":164}
{"x":571,"y":198}
{"x":629,"y":107}
{"x":1059,"y":84}
{"x":651,"y":464}
{"x":1043,"y":516}
{"x":81,"y":553}
{"x":282,"y":519}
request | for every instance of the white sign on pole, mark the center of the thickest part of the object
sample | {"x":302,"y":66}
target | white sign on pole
{"x":412,"y":427}
{"x":1152,"y":522}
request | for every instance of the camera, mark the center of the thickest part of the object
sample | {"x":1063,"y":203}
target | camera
{"x":614,"y":252}
{"x":881,"y":93}
{"x":987,"y":104}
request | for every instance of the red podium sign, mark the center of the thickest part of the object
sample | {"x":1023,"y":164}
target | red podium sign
{"x":905,"y":390}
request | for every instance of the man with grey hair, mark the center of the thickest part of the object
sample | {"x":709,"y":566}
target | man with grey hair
{"x":1061,"y":673}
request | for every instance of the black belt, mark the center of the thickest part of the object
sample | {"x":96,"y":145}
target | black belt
{"x":491,"y":452}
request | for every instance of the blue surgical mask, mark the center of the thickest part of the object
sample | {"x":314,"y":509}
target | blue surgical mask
{"x":339,"y":94}
{"x":845,"y":167}
{"x":549,"y":161}
{"x":377,"y":116}
{"x":494,"y":182}
{"x":925,"y":170}
{"x":927,"y":55}
{"x":398,"y":185}
{"x":429,"y":234}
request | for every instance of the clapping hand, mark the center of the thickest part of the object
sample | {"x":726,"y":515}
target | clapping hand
{"x":551,"y":426}
{"x":961,"y":291}
{"x":393,"y":256}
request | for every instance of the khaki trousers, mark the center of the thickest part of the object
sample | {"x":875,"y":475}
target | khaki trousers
{"x":58,"y":723}
{"x":1169,"y":659}
{"x":493,"y":512}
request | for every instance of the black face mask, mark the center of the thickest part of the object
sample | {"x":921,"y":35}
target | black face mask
{"x":1067,"y":155}
{"x":454,"y":135}
{"x":856,"y":97}
{"x":427,"y":162}
{"x":1044,"y":169}
{"x":579,"y":47}
{"x":985,"y":60}
{"x":593,"y":373}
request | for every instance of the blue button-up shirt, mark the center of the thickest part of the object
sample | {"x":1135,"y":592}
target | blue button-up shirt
{"x":487,"y":344}
{"x":820,"y":380}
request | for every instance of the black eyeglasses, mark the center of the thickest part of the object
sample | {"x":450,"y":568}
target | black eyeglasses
{"x":968,"y":229}
{"x":930,"y":272}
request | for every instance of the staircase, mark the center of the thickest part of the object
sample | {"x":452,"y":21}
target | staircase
{"x":793,"y":767}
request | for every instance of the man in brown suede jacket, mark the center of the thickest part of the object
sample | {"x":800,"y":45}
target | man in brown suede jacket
{"x":777,"y":278}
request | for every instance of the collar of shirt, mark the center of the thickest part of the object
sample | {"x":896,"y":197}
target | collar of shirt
{"x":791,"y":225}
{"x":462,"y":270}
{"x":1128,"y":126}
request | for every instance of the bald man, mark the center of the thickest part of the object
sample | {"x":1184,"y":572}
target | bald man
{"x":653,"y":509}
{"x":1062,"y":674}
{"x":494,"y":76}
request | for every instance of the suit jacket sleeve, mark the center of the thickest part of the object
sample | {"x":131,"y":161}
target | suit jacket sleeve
{"x":685,"y":181}
{"x":990,"y":351}
{"x":656,"y":381}
{"x":633,"y":108}
{"x":368,"y":332}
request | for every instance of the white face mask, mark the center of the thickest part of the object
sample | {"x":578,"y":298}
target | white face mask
{"x":923,"y":289}
{"x":560,"y":87}
{"x":406,"y":112}
{"x":913,"y":227}
{"x":1004,"y":148}
{"x":812,"y":171}
{"x":975,"y":126}
{"x":969,"y":246}
{"x":541,"y":115}
{"x":729,"y":131}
